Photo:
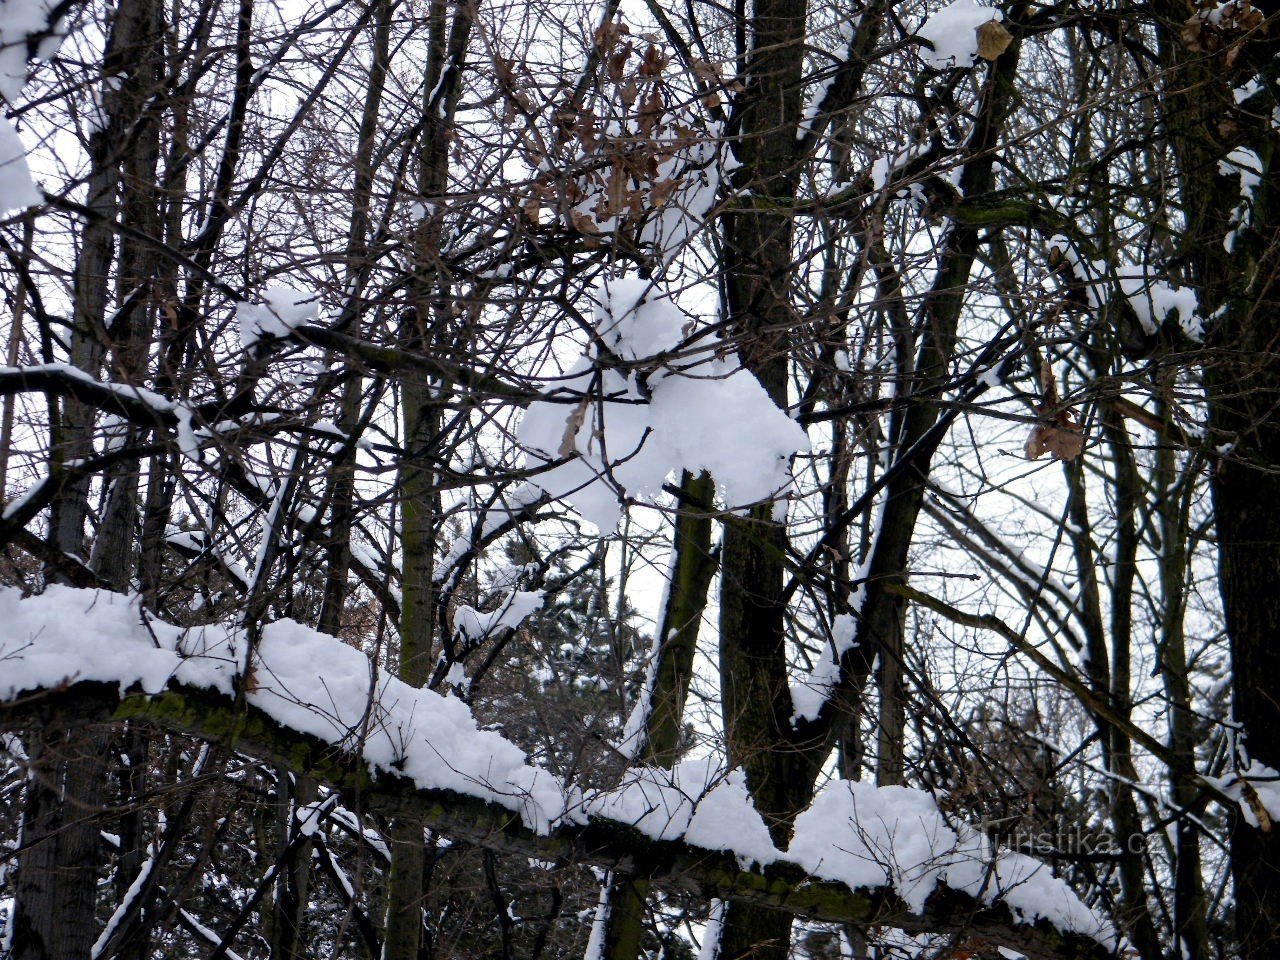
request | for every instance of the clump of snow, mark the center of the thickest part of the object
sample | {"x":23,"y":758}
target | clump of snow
{"x":846,"y":33}
{"x":953,"y":33}
{"x":44,"y":642}
{"x":868,"y":836}
{"x":808,"y":696}
{"x":727,"y":820}
{"x":884,"y":167}
{"x":695,"y":169}
{"x":1247,"y":165}
{"x":635,"y":321}
{"x":634,"y":731}
{"x":695,"y":801}
{"x":623,"y":438}
{"x":302,"y":679}
{"x":17,"y":189}
{"x":1154,"y":300}
{"x":19,"y":20}
{"x":1256,"y":786}
{"x":471,"y":624}
{"x":283,"y":309}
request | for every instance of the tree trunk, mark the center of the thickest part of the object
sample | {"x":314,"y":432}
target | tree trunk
{"x":1235,"y":271}
{"x":678,"y":626}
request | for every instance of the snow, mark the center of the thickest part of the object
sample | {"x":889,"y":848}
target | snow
{"x":283,"y":310}
{"x":302,"y":679}
{"x":636,"y":321}
{"x":697,"y":169}
{"x":471,"y":624}
{"x":854,"y":833}
{"x":44,"y":642}
{"x":868,"y":836}
{"x":635,"y":730}
{"x":599,"y":925}
{"x":727,"y":820}
{"x":311,"y":815}
{"x":952,"y":31}
{"x":126,"y":901}
{"x":695,"y":801}
{"x":188,"y":444}
{"x":1154,"y":300}
{"x":17,"y":189}
{"x":808,"y":697}
{"x":884,"y":167}
{"x":1247,"y":165}
{"x":846,"y":34}
{"x":19,"y":19}
{"x":1264,"y":790}
{"x":152,"y":399}
{"x":710,"y":947}
{"x":624,"y":439}
{"x":513,"y":501}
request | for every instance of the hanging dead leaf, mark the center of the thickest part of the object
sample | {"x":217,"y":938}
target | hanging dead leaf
{"x":650,"y":112}
{"x":1192,"y":34}
{"x":1059,"y":433}
{"x":704,"y":71}
{"x":660,"y":192}
{"x":653,"y":62}
{"x":993,"y":39}
{"x":582,"y":223}
{"x":616,"y":65}
{"x":577,"y":417}
{"x":615,"y":191}
{"x":1061,"y":438}
{"x":628,"y":94}
{"x":586,"y":129}
{"x":1260,"y":811}
{"x":607,"y":35}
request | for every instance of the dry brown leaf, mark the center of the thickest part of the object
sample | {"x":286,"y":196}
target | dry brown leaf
{"x":650,"y":112}
{"x":1062,"y":439}
{"x":993,"y":39}
{"x":608,"y":34}
{"x":615,"y":191}
{"x":569,"y":442}
{"x":1191,"y":34}
{"x":660,"y":192}
{"x":704,"y":71}
{"x":582,"y":222}
{"x":1259,"y":809}
{"x":1059,"y":434}
{"x":616,"y":65}
{"x":653,"y":63}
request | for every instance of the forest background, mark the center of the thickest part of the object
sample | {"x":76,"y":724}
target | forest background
{"x":539,"y":479}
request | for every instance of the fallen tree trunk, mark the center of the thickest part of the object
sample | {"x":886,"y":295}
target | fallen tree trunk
{"x":668,"y":864}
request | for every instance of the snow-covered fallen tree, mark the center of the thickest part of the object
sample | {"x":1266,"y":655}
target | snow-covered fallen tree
{"x":860,"y":854}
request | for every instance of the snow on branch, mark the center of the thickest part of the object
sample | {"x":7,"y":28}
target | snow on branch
{"x":860,"y":854}
{"x":632,"y":410}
